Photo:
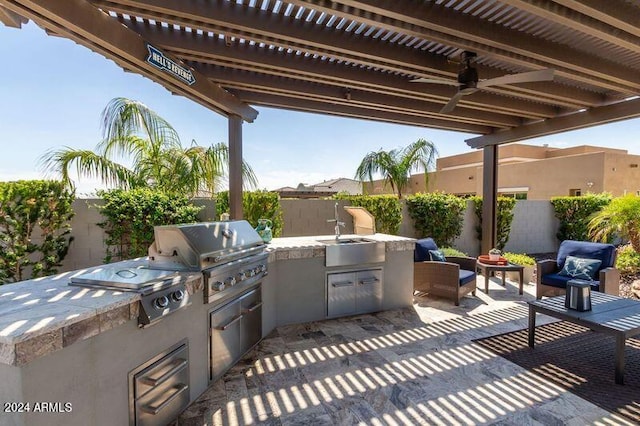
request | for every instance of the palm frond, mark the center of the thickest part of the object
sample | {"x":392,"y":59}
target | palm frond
{"x":124,"y":117}
{"x":88,"y":163}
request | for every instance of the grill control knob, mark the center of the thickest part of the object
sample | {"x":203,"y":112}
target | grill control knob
{"x":217,"y":286}
{"x":241,"y":276}
{"x":177,"y":295}
{"x":263,"y":268}
{"x":231,"y":281}
{"x":161,"y":302}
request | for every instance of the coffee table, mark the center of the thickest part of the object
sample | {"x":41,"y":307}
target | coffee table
{"x":610,"y":314}
{"x":488,"y":270}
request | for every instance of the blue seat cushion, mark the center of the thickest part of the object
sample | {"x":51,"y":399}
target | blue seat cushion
{"x":560,"y":281}
{"x":605,"y":253}
{"x":421,"y":253}
{"x":465,"y":277}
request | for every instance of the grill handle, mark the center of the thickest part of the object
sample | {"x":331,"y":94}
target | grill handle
{"x":155,"y":409}
{"x":372,"y":280}
{"x":253,"y":308}
{"x":342,"y":284}
{"x":179,"y":364}
{"x":229,"y":324}
{"x":243,"y":252}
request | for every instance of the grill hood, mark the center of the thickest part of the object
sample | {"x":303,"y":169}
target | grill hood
{"x":199,"y":246}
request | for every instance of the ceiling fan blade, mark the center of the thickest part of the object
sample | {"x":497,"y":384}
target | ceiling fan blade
{"x":452,"y":103}
{"x":436,"y":81}
{"x":523,"y":77}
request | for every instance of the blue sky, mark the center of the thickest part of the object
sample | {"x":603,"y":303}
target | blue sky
{"x":53,"y":91}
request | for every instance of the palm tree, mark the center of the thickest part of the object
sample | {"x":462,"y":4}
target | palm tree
{"x":621,"y":217}
{"x":131,"y":131}
{"x":396,"y":165}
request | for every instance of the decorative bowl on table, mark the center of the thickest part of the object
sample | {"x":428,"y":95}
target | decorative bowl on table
{"x":485,"y":258}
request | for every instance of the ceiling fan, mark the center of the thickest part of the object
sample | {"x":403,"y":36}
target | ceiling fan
{"x":468,"y":82}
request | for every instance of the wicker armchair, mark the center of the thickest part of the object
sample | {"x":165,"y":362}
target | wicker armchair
{"x":452,"y":279}
{"x":607,"y":280}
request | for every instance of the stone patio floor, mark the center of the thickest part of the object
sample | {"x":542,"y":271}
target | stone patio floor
{"x":416,"y":366}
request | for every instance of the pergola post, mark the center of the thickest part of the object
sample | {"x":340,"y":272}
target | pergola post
{"x":489,"y":197}
{"x":235,"y":167}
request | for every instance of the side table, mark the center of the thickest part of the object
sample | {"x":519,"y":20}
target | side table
{"x":488,"y":270}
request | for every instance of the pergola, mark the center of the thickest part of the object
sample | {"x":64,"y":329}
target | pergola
{"x":358,"y":59}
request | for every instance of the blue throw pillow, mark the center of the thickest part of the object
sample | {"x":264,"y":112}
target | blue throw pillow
{"x":437,"y":256}
{"x":580,"y":268}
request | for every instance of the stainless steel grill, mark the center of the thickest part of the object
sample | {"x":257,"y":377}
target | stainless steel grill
{"x":231,"y":255}
{"x":233,"y":261}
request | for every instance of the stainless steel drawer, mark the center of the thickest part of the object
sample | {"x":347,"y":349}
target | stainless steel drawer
{"x":159,"y":389}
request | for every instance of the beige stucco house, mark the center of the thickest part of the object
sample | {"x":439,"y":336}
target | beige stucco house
{"x":534,"y":172}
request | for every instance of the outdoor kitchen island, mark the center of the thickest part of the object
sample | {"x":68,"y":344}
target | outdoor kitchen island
{"x":68,"y":352}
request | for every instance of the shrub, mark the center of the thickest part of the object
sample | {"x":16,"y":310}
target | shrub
{"x":519,"y":259}
{"x":619,"y":218}
{"x":35,"y":225}
{"x":504,"y":218}
{"x":628,"y":260}
{"x":574,"y":214}
{"x":256,"y":205}
{"x":131,"y":215}
{"x":386,"y":210}
{"x":450,"y":251}
{"x":437,"y":215}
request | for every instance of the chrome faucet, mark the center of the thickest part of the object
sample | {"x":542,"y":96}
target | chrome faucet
{"x":337,"y":221}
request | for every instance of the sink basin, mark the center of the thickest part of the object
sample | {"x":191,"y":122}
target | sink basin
{"x":353,"y":251}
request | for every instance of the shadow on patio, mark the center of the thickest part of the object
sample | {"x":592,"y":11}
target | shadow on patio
{"x":409,"y":366}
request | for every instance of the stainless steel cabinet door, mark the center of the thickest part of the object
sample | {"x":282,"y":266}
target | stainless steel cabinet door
{"x":369,"y":290}
{"x":341,"y":294}
{"x":251,"y":323}
{"x":225,"y":338}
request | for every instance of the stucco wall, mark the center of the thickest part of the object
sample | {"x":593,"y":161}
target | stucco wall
{"x":87,"y":248}
{"x":533,"y":229}
{"x":309,"y":217}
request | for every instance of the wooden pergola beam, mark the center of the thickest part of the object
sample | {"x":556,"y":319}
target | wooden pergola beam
{"x":204,"y":49}
{"x":617,"y":13}
{"x":311,"y":105}
{"x":436,"y":22}
{"x":584,"y":23}
{"x":592,"y":117}
{"x":339,"y":94}
{"x":11,"y":19}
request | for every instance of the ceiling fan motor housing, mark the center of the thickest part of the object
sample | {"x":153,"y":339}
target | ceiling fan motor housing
{"x":468,"y":79}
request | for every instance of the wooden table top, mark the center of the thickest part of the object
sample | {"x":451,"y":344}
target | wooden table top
{"x":608,"y":312}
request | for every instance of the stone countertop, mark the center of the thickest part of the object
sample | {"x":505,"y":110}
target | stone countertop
{"x":287,"y":248}
{"x":43,"y":315}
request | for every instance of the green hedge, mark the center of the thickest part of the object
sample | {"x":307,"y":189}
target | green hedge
{"x":574,"y":214}
{"x":130,"y":216}
{"x":437,"y":215}
{"x":504,"y":213}
{"x":385,"y":208}
{"x":35,"y":225}
{"x":256,"y":205}
{"x":628,"y":260}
